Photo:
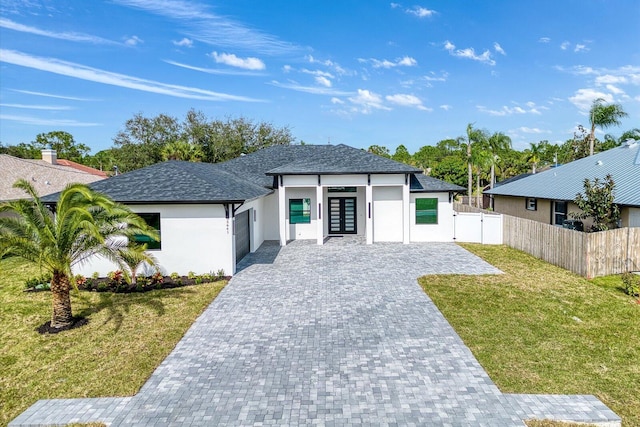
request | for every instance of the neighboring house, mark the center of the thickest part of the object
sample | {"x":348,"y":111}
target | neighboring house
{"x":49,"y":175}
{"x":548,"y":196}
{"x":211,"y":215}
{"x":487,"y":199}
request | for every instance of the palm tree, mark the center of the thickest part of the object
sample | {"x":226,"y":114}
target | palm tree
{"x":134,"y":256}
{"x":474,"y":136}
{"x":182,"y":150}
{"x":86,"y":223}
{"x":603,"y":116}
{"x":497,"y":144}
{"x":533,"y":155}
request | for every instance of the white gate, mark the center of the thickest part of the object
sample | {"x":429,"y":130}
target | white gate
{"x":477,"y":227}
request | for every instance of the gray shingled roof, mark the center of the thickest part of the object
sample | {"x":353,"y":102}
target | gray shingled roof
{"x":566,"y":181}
{"x":45,"y":177}
{"x":337,"y":159}
{"x":177,"y":182}
{"x":421,"y":183}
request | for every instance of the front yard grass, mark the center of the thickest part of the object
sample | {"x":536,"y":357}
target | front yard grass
{"x":127,"y":337}
{"x":541,"y":329}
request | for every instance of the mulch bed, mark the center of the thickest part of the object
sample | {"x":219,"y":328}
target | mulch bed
{"x":104,"y":284}
{"x":47,"y":329}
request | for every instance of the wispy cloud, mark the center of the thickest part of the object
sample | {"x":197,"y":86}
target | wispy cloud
{"x":133,"y":41}
{"x":323,"y":81}
{"x":529,"y":108}
{"x":544,"y":40}
{"x":185,"y":42}
{"x":218,"y":71}
{"x":78,"y":71}
{"x":316,"y":90}
{"x":419,"y":11}
{"x":51,"y":95}
{"x":581,"y":48}
{"x":366,"y":101}
{"x":406,"y":100}
{"x":446,"y":107}
{"x":565,"y":45}
{"x":37,"y":107}
{"x":498,"y":48}
{"x":201,"y":24}
{"x":583,"y":98}
{"x":469,"y":53}
{"x":232,"y":60}
{"x":69,"y":36}
{"x":525,"y":129}
{"x":337,"y":68}
{"x":405,"y":61}
{"x":37,"y":121}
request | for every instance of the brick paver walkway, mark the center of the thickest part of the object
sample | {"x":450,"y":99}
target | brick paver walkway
{"x":339,"y":334}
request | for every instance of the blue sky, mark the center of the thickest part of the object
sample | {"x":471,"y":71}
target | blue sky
{"x":352,"y":72}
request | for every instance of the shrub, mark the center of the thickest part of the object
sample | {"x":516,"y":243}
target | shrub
{"x":39,"y":282}
{"x":220,"y":274}
{"x":116,"y":277}
{"x":174,"y":276}
{"x":95,"y":275}
{"x":80,"y":279}
{"x":191,"y":275}
{"x":102,"y":287}
{"x":157,"y":279}
{"x":142,"y":281}
{"x":631,"y":284}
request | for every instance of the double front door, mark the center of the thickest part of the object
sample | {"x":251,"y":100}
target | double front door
{"x":342,"y":215}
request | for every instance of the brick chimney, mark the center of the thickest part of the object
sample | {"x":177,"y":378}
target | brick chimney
{"x":50,"y":156}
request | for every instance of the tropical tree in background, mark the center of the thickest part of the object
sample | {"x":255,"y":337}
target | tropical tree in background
{"x":532,"y":156}
{"x":597,"y":202}
{"x":86,"y":223}
{"x":379,"y":150}
{"x":498,"y":143}
{"x":603,"y":116}
{"x":182,"y":150}
{"x":474,"y":136}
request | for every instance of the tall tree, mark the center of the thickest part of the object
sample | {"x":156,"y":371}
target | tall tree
{"x":498,"y":143}
{"x":603,"y":116}
{"x":474,"y":136}
{"x":86,"y":223}
{"x":379,"y":150}
{"x":532,"y":155}
{"x":65,"y":145}
{"x":402,"y":155}
{"x":597,"y":202}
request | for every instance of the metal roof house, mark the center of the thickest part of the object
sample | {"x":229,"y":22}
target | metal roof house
{"x":548,"y":196}
{"x":211,"y":215}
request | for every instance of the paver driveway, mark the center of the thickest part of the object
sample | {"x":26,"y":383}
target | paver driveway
{"x":338,"y":334}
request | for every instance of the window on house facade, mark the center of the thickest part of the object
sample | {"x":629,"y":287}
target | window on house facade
{"x":152,"y":220}
{"x":342,"y":189}
{"x":532,"y":204}
{"x":427,"y":211}
{"x":559,"y":212}
{"x":299,"y":211}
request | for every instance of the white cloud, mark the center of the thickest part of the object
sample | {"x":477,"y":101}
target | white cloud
{"x":544,"y":40}
{"x":498,"y":48}
{"x":433,"y":77}
{"x":37,"y":121}
{"x":405,"y":100}
{"x":328,"y":63}
{"x":446,"y":107}
{"x":335,"y":100}
{"x":74,"y":37}
{"x":323,"y":81}
{"x":185,"y":42}
{"x":201,"y":24}
{"x":581,"y":48}
{"x":318,"y":73}
{"x":405,"y":61}
{"x":565,"y":45}
{"x":366,"y":101}
{"x":583,"y":98}
{"x":420,"y":12}
{"x":615,"y":90}
{"x":525,"y":129}
{"x":50,"y":95}
{"x":287,"y":69}
{"x":37,"y":107}
{"x":610,"y":79}
{"x":395,"y":5}
{"x":469,"y":53}
{"x":82,"y":72}
{"x":225,"y":71}
{"x":508,"y":111}
{"x":316,"y":90}
{"x":133,"y":41}
{"x":232,"y":60}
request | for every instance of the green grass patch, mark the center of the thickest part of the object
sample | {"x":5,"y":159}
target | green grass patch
{"x":541,"y":329}
{"x":127,"y":337}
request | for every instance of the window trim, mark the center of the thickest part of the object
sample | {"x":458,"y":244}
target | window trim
{"x":424,"y":219}
{"x":531,"y":206}
{"x":305,"y":212}
{"x":151,"y":245}
{"x":557,"y":212}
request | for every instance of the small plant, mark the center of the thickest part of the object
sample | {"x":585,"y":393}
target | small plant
{"x":220,"y":274}
{"x":102,"y":287}
{"x":89,"y":284}
{"x":95,"y":275}
{"x":198,"y":280}
{"x":40,"y":283}
{"x":142,"y":281}
{"x":631,"y":284}
{"x":191,"y":275}
{"x":174,"y":276}
{"x":80,"y":280}
{"x":157,"y":279}
{"x":117,"y":277}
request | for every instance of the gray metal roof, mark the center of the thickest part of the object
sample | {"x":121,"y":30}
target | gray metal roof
{"x":421,"y":183}
{"x":177,"y":182}
{"x":566,"y":181}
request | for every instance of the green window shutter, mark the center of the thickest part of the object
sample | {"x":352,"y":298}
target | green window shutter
{"x":299,"y":211}
{"x":427,"y":211}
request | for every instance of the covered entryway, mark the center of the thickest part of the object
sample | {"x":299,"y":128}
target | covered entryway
{"x":342,"y":215}
{"x":243,"y":235}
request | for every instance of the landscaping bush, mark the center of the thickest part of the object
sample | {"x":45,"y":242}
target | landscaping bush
{"x":39,"y":283}
{"x":631,"y":284}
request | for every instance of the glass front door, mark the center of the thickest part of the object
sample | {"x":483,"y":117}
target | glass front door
{"x":342,"y":215}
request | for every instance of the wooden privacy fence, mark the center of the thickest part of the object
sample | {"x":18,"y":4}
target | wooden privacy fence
{"x":587,"y":254}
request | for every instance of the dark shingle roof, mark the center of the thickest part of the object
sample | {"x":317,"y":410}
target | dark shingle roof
{"x":566,"y":181}
{"x":421,"y":183}
{"x":336,"y":159}
{"x":177,"y":182}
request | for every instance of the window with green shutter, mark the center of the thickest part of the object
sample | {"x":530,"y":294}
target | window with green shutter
{"x":426,"y":211}
{"x":299,"y":211}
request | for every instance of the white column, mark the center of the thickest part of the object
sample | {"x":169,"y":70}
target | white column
{"x":319,"y":212}
{"x":406,"y":217}
{"x":282,"y":215}
{"x":369,"y":213}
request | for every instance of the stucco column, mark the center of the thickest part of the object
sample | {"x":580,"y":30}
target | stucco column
{"x":282,"y":215}
{"x":368,"y":205}
{"x":406,"y":217}
{"x":319,"y":219}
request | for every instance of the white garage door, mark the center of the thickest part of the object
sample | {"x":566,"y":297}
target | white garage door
{"x":387,"y":214}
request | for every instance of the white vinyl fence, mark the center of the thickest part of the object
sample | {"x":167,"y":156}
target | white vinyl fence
{"x":477,"y":227}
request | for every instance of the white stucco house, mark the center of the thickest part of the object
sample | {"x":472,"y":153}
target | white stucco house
{"x":211,"y":215}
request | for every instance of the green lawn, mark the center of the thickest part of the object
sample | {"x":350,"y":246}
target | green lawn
{"x":127,"y":337}
{"x":541,"y":329}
